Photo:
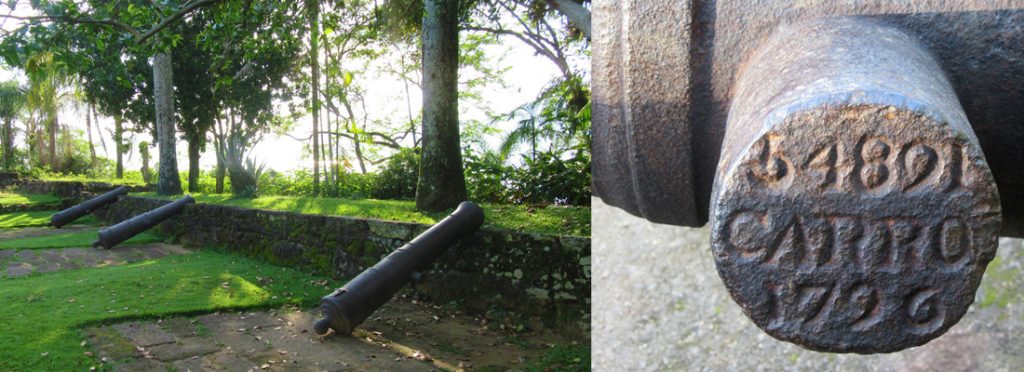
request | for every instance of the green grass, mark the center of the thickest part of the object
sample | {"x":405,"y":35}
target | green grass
{"x":72,"y":240}
{"x":564,"y":358}
{"x":43,"y":314}
{"x":20,"y":199}
{"x":545,"y":220}
{"x":130,"y":181}
{"x":35,"y":219}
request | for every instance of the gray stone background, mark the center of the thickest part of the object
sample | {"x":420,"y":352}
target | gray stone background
{"x":659,"y":305}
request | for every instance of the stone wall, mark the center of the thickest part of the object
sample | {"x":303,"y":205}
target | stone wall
{"x":510,"y":277}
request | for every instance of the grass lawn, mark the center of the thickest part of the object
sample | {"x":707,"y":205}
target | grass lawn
{"x":34,"y":219}
{"x":547,"y":220}
{"x":43,"y":314}
{"x":19,"y":199}
{"x":72,"y":240}
{"x":129,"y":181}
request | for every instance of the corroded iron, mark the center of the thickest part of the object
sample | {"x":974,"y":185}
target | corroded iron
{"x":350,"y":305}
{"x":665,"y":72}
{"x":71,"y":214}
{"x":114,"y":235}
{"x":853,"y":210}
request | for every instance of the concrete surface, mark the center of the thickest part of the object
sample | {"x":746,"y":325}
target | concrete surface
{"x":660,"y":305}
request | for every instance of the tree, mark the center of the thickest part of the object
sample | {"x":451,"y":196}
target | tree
{"x":313,"y":10}
{"x":12,"y":100}
{"x":46,"y":96}
{"x":441,"y":184}
{"x":123,"y":19}
{"x":195,"y":91}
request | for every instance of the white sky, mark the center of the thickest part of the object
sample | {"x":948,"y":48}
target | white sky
{"x":527,"y":76}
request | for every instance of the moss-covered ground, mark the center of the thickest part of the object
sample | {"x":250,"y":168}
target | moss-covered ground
{"x":559,"y":220}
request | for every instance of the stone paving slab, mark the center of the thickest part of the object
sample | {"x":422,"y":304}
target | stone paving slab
{"x":29,"y":261}
{"x":660,"y":305}
{"x":404,"y":335}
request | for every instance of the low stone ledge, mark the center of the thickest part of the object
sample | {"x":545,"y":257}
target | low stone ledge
{"x":502,"y":274}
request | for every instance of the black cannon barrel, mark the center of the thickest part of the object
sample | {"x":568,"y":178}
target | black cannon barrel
{"x":67,"y":216}
{"x":348,"y":306}
{"x":125,"y":230}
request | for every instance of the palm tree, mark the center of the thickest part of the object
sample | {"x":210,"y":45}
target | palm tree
{"x":46,"y":96}
{"x":12,"y":101}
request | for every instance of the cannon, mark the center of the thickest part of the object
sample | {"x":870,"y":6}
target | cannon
{"x":350,"y":305}
{"x":114,"y":235}
{"x":69,"y":215}
{"x":856,"y":160}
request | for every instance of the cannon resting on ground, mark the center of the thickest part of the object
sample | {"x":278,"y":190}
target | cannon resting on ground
{"x":347,"y":307}
{"x":125,"y":230}
{"x":71,"y":214}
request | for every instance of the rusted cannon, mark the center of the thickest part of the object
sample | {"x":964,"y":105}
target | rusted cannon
{"x":350,"y":305}
{"x":69,"y":215}
{"x":856,"y":160}
{"x":114,"y":235}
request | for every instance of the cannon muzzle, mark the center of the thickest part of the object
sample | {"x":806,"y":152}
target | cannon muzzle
{"x":347,"y":307}
{"x":71,"y":214}
{"x":125,"y":230}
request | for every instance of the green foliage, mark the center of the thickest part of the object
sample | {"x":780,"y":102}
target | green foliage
{"x":12,"y":99}
{"x":398,"y":178}
{"x":486,"y":176}
{"x":555,"y":220}
{"x":43,"y":314}
{"x":546,"y":178}
{"x":564,"y":358}
{"x":71,"y":240}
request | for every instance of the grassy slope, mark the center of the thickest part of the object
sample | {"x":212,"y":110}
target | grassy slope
{"x":19,"y":198}
{"x":548,"y":220}
{"x":42,"y":314}
{"x":71,"y":240}
{"x":34,"y":219}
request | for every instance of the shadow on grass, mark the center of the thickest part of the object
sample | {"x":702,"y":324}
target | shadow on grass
{"x":43,"y":313}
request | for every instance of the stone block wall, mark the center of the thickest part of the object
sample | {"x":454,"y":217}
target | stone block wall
{"x":505,"y":275}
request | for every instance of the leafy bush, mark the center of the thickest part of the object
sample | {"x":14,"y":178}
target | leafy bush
{"x":398,"y":178}
{"x":549,"y":179}
{"x":485,"y":177}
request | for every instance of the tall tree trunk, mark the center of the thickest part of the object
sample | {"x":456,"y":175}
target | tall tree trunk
{"x":7,"y":142}
{"x":99,"y":130}
{"x":193,"y":166}
{"x":53,"y":143}
{"x":88,"y":130}
{"x":119,"y":147}
{"x":313,"y":8}
{"x":144,"y":153}
{"x":163,"y":91}
{"x":441,"y":183}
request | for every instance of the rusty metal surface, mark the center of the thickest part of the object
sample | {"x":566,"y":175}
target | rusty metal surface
{"x":664,"y":75}
{"x":852,"y":210}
